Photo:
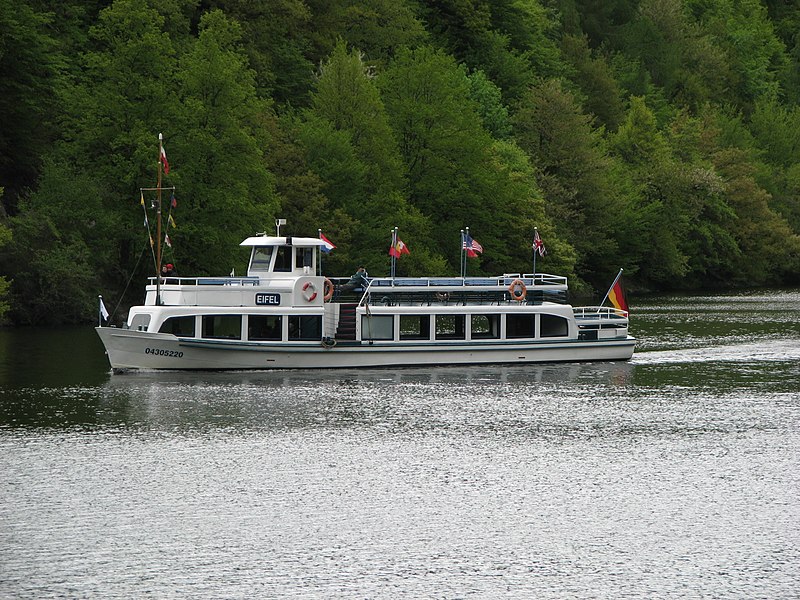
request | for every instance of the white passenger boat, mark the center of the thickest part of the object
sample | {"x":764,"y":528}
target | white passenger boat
{"x":285,"y":315}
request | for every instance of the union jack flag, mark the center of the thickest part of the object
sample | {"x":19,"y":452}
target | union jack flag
{"x":538,"y":244}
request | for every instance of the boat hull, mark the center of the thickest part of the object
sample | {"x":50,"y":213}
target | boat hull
{"x":131,"y":349}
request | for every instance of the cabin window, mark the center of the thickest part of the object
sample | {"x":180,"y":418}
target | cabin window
{"x":140,"y":322}
{"x":227,"y":327}
{"x":261,"y":258}
{"x":520,"y":326}
{"x":305,"y":328}
{"x":415,"y":327}
{"x":450,"y":327}
{"x":377,"y":327}
{"x":283,"y":259}
{"x":180,"y":326}
{"x":553,"y":326}
{"x":304,"y":257}
{"x":264,"y":327}
{"x":485,"y":327}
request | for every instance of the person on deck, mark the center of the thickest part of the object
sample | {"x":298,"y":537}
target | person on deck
{"x":168,"y":270}
{"x":357,"y":280}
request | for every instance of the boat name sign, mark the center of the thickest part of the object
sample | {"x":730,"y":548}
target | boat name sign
{"x":268,"y":299}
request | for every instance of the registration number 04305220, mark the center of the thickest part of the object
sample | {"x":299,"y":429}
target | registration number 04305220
{"x":160,"y":352}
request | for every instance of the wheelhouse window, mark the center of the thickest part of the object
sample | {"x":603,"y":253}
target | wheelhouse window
{"x":553,"y":326}
{"x":283,"y":259}
{"x":140,"y":322}
{"x":415,"y":327}
{"x":261,"y":257}
{"x":450,"y":327}
{"x":264,"y":327}
{"x":520,"y":326}
{"x":379,"y":327}
{"x":227,"y":327}
{"x":180,"y":326}
{"x":485,"y":327}
{"x":307,"y":327}
{"x":304,"y":257}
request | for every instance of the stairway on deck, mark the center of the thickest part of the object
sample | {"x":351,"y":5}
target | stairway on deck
{"x":346,"y":328}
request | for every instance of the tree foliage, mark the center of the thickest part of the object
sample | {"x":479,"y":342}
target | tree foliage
{"x":657,"y":135}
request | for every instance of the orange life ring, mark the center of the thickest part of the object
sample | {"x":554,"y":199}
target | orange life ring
{"x":327,"y":287}
{"x":309,"y":291}
{"x":518,"y":290}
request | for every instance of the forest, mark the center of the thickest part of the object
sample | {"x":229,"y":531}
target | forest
{"x":658,"y":136}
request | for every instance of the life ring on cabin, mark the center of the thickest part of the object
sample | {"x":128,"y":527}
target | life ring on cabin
{"x":442,"y":296}
{"x":327,"y":288}
{"x":518,"y":290}
{"x":309,"y":291}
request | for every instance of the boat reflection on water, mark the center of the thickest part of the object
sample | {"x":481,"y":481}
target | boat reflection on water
{"x":611,"y":372}
{"x":314,"y":398}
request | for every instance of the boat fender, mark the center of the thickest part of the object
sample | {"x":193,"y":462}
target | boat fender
{"x":309,"y":291}
{"x":327,"y":287}
{"x":518,"y":290}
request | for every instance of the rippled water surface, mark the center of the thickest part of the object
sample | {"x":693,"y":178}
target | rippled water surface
{"x":673,"y":475}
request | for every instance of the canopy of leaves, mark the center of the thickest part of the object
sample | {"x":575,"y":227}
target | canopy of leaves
{"x":657,"y":135}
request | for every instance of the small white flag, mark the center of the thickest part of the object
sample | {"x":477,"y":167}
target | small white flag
{"x":103,"y":311}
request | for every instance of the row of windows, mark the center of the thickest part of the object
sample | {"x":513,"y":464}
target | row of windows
{"x":262,"y":255}
{"x":377,"y":327}
{"x":259,"y":327}
{"x":454,"y":327}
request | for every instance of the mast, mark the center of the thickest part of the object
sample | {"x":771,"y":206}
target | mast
{"x":158,"y":220}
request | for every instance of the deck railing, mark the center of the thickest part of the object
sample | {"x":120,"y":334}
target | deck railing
{"x":599,"y":312}
{"x":233,"y":281}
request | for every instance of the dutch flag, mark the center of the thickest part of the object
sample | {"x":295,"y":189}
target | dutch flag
{"x":327,"y":245}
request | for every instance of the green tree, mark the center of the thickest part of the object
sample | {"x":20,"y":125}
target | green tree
{"x":277,"y":40}
{"x":30,"y":66}
{"x":595,"y":78}
{"x":223,"y":173}
{"x":511,"y":41}
{"x":489,"y":98}
{"x":378,"y":28}
{"x":573,"y":172}
{"x":353,"y":149}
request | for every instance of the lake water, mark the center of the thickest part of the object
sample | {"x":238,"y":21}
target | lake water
{"x":672,"y":476}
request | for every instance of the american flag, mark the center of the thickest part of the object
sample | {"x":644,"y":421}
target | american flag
{"x":538,"y":244}
{"x":471,"y":246}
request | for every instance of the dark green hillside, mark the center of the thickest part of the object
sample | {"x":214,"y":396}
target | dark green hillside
{"x":656,"y":135}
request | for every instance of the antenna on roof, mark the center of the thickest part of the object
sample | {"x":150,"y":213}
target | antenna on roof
{"x":278,"y":223}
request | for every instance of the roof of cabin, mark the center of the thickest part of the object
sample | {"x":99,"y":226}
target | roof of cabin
{"x":264,"y":240}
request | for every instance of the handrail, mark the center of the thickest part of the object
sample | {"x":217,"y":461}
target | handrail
{"x":607,"y":312}
{"x":538,"y":280}
{"x":365,"y":295}
{"x":231,"y":281}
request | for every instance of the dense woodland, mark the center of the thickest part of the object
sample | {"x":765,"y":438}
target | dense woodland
{"x":662,"y":136}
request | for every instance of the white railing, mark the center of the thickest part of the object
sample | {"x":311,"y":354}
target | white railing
{"x":233,"y":281}
{"x":599,"y":312}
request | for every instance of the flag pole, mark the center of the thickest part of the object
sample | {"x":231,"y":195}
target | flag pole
{"x":100,"y":311}
{"x":612,"y":287}
{"x":319,"y":252}
{"x":466,"y":237}
{"x":461,"y":255}
{"x":535,"y":251}
{"x":393,"y":251}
